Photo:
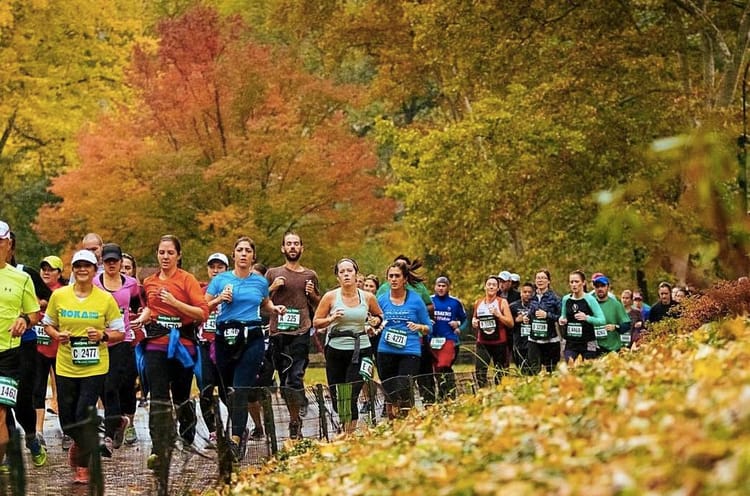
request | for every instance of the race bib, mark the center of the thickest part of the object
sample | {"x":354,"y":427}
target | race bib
{"x":41,"y":336}
{"x":8,"y":391}
{"x":487,"y":324}
{"x":367,"y":368}
{"x":209,"y":326}
{"x":625,"y":338}
{"x":600,"y":332}
{"x":575,"y":330}
{"x":168,"y":321}
{"x":539,"y":328}
{"x":525,"y":330}
{"x":289,"y":321}
{"x":84,"y":352}
{"x":395,"y":338}
{"x":230,"y":335}
{"x":437,"y":343}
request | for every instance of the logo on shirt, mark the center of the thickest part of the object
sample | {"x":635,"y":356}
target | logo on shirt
{"x":78,"y":314}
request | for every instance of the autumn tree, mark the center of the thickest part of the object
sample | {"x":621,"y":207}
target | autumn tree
{"x":229,"y":137}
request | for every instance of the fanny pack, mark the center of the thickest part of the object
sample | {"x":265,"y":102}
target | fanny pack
{"x":235,"y":334}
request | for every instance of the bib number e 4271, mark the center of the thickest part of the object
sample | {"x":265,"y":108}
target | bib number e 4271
{"x":395,"y":338}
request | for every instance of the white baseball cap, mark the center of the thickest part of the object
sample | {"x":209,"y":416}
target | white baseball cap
{"x":84,"y":256}
{"x":504,"y":275}
{"x":218,"y":256}
{"x":4,"y":230}
{"x":515,"y":277}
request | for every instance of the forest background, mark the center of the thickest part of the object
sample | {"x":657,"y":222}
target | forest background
{"x":477,"y":136}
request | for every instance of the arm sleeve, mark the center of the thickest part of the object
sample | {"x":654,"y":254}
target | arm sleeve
{"x":597,"y":316}
{"x":555,"y":307}
{"x":196,"y":295}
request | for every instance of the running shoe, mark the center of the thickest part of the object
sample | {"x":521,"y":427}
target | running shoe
{"x":41,"y":439}
{"x":67,"y":442}
{"x":153,"y":462}
{"x":81,"y":475}
{"x":4,"y":470}
{"x":38,"y":453}
{"x":131,"y":436}
{"x":107,"y":447}
{"x":119,"y":434}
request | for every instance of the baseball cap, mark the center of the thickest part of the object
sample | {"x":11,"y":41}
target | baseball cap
{"x":637,"y":296}
{"x":602,"y":280}
{"x":111,"y":251}
{"x":218,"y":256}
{"x":53,"y":261}
{"x":515,"y":277}
{"x":4,"y":230}
{"x":504,"y":275}
{"x":84,"y":256}
{"x":596,"y":275}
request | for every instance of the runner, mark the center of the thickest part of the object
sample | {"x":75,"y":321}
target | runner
{"x":19,"y":310}
{"x":616,"y":332}
{"x":661,"y":309}
{"x":175,"y":304}
{"x":239,"y":334}
{"x":544,"y":310}
{"x":215,"y":265}
{"x":119,"y":383}
{"x":406,"y":322}
{"x":51,"y":273}
{"x":83,"y":319}
{"x":297,"y":289}
{"x":347,"y":312}
{"x":580,"y":314}
{"x":446,"y":331}
{"x":520,"y":309}
{"x":491,"y":321}
{"x":371,"y":285}
{"x":636,"y":318}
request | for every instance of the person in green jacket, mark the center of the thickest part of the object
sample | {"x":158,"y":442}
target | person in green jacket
{"x":616,"y":332}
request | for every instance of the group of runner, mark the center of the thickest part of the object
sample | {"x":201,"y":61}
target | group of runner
{"x":102,"y":330}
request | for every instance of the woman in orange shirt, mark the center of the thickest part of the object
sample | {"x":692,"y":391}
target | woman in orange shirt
{"x":175,"y":305}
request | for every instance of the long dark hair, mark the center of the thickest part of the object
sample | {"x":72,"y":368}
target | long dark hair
{"x":411,"y":267}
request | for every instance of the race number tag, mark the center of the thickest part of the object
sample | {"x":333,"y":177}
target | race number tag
{"x":209,"y":326}
{"x":625,"y":338}
{"x":487,"y":324}
{"x":166,"y":321}
{"x":41,"y":336}
{"x":600,"y":332}
{"x":230,"y":335}
{"x":289,"y":321}
{"x":366,"y":368}
{"x":84,"y":352}
{"x":539,"y":328}
{"x":575,"y":330}
{"x":437,"y":343}
{"x":8,"y":391}
{"x":395,"y":338}
{"x":526,"y":330}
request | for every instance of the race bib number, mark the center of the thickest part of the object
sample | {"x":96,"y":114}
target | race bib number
{"x":625,"y":338}
{"x":600,"y":332}
{"x":289,"y":321}
{"x":41,"y":336}
{"x":575,"y":330}
{"x":85,"y":353}
{"x":525,"y":330}
{"x":437,"y":343}
{"x":230,"y":335}
{"x":209,"y":326}
{"x":367,"y":368}
{"x":168,"y":321}
{"x":395,"y":338}
{"x":539,"y":328}
{"x":487,"y":324}
{"x":8,"y":391}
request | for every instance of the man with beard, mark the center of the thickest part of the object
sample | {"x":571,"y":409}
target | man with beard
{"x":609,"y":336}
{"x":295,"y":287}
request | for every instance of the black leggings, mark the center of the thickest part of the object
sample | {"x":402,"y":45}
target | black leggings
{"x":76,"y":399}
{"x":340,"y":370}
{"x":394,"y":371}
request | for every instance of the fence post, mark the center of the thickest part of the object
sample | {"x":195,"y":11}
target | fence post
{"x":322,"y":411}
{"x":268,"y":418}
{"x":222,"y":446}
{"x":91,"y":432}
{"x":14,"y":454}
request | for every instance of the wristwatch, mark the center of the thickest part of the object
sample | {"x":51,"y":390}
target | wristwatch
{"x":26,"y":318}
{"x":105,"y":337}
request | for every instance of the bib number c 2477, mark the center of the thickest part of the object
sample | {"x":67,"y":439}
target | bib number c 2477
{"x":41,"y":336}
{"x":8,"y":391}
{"x":289,"y":321}
{"x":539,"y":328}
{"x":437,"y":343}
{"x":575,"y":330}
{"x":487,"y":324}
{"x":600,"y":332}
{"x":84,"y":352}
{"x":395,"y":337}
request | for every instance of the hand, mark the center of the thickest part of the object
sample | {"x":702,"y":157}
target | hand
{"x":335,"y":315}
{"x":309,"y":287}
{"x":279,"y":309}
{"x":94,"y":334}
{"x":580,"y":316}
{"x":610,"y":327}
{"x":562,"y":321}
{"x":277,"y":283}
{"x":420,"y":328}
{"x":540,"y":314}
{"x":374,"y":321}
{"x":525,"y":319}
{"x":167,"y":297}
{"x":226,"y":294}
{"x":18,"y":327}
{"x":475,"y":323}
{"x":64,"y":337}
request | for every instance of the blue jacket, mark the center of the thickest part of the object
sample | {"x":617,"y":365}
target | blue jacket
{"x":396,"y":317}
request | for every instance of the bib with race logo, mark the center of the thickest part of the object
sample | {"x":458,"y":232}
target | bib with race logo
{"x":230,"y":334}
{"x":366,"y":368}
{"x":166,"y":321}
{"x":41,"y":336}
{"x":395,"y":338}
{"x":539,"y":328}
{"x":289,"y":321}
{"x":209,"y":326}
{"x":437,"y":343}
{"x":8,"y":391}
{"x":525,"y":330}
{"x":84,"y":352}
{"x":600,"y":332}
{"x":487,"y":324}
{"x":625,"y":338}
{"x":575,"y":330}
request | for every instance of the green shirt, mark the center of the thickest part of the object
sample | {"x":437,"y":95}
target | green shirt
{"x":614,"y":313}
{"x":418,"y":288}
{"x":17,"y":296}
